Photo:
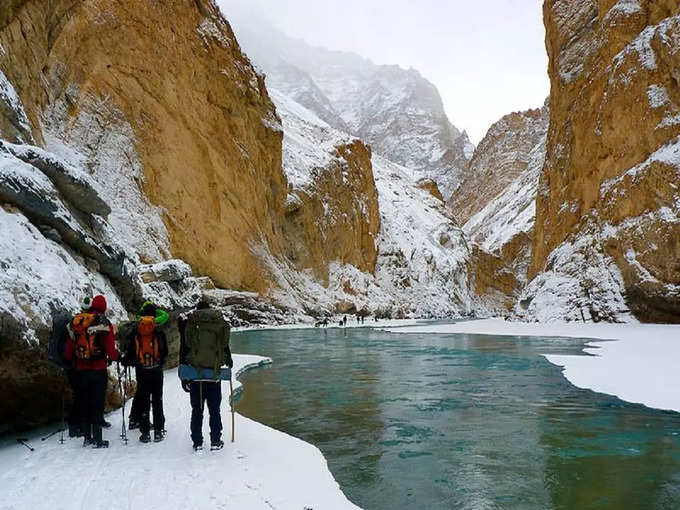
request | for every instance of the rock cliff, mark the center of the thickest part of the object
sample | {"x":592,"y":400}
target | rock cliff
{"x":156,"y":97}
{"x":413,"y":261}
{"x":607,"y":226}
{"x":495,"y":202}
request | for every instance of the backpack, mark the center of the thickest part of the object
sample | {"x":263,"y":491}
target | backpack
{"x":87,"y":330}
{"x":207,"y":339}
{"x":58,"y":338}
{"x":146,"y":343}
{"x":125,"y":334}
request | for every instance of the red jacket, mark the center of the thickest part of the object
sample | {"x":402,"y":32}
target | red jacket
{"x":98,"y":364}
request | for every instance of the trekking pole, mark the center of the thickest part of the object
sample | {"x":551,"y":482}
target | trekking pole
{"x":63,"y":409}
{"x":45,"y":438}
{"x":24,"y":441}
{"x":231,"y":390}
{"x":61,"y":441}
{"x":122,"y":391}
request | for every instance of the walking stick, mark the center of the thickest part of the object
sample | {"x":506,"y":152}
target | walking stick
{"x":231,"y":390}
{"x":122,"y":391}
{"x":63,"y":409}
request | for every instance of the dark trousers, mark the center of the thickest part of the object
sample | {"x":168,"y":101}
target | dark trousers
{"x":135,"y":414}
{"x":150,"y":391}
{"x":201,"y":393}
{"x":74,"y":416}
{"x":92,"y":384}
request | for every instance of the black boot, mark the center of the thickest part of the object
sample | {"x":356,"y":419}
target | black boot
{"x":97,"y":434}
{"x":101,"y":444}
{"x":145,"y":438}
{"x":158,"y":436}
{"x":216,"y":445}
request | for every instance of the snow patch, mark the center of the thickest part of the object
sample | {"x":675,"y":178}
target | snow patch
{"x":10,"y":97}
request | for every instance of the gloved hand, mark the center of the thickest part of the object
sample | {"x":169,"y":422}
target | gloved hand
{"x":186,"y":385}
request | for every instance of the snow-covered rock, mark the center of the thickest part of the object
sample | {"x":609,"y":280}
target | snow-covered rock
{"x":13,"y":119}
{"x":497,"y":200}
{"x":612,"y":172}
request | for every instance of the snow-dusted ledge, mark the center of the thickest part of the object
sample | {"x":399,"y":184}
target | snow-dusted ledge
{"x":640,"y":366}
{"x":264,"y":469}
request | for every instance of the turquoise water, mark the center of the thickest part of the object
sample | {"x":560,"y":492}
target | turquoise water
{"x":430,"y":421}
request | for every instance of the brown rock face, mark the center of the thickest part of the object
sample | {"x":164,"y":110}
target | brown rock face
{"x":431,"y":187}
{"x":323,"y":225}
{"x":169,"y":77}
{"x":613,"y":153}
{"x":494,"y":282}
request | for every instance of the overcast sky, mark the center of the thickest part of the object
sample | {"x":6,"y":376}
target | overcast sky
{"x":487,"y":57}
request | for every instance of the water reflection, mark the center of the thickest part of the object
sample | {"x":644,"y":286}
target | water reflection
{"x":459,"y":421}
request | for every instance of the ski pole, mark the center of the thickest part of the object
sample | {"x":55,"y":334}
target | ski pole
{"x":45,"y":438}
{"x":63,"y":408}
{"x":122,"y":391}
{"x":23,"y":441}
{"x":231,"y":390}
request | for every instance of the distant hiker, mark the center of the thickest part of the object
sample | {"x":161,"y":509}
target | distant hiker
{"x":91,"y":343}
{"x":127,"y":335}
{"x":204,"y":349}
{"x":344,"y":321}
{"x":147,"y":351}
{"x":323,"y":322}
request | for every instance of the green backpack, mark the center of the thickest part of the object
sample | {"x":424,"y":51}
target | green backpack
{"x":207,"y":339}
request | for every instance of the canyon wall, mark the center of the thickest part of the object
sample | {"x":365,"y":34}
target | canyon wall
{"x":607,"y":226}
{"x":162,"y":93}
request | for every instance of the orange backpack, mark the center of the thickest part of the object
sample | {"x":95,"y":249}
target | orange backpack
{"x":87,"y":330}
{"x":146,"y":343}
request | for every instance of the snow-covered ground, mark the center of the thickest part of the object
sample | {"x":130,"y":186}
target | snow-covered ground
{"x":264,"y":469}
{"x":639,"y":366}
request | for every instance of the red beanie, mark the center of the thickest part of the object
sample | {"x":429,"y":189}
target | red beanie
{"x":99,"y":304}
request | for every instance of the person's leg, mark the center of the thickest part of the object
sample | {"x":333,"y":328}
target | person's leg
{"x":84,"y":404}
{"x":214,"y":397}
{"x":196,"y":397}
{"x":134,"y":410}
{"x":157,"y":400}
{"x":100,"y":380}
{"x":74,"y":418}
{"x":143,"y":395}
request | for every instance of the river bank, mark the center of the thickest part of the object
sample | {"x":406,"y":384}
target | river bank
{"x":264,"y":469}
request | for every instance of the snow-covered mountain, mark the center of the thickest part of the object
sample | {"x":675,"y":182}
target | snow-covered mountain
{"x":397,"y":112}
{"x":422,"y":266}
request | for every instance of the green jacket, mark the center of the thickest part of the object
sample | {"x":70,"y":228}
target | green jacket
{"x":161,"y":315}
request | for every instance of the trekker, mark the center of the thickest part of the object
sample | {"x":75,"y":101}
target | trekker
{"x":161,"y":318}
{"x":91,"y":344}
{"x":344,"y":321}
{"x":148,"y":351}
{"x":204,"y":345}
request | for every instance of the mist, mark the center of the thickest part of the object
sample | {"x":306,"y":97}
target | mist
{"x":487,"y":58}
